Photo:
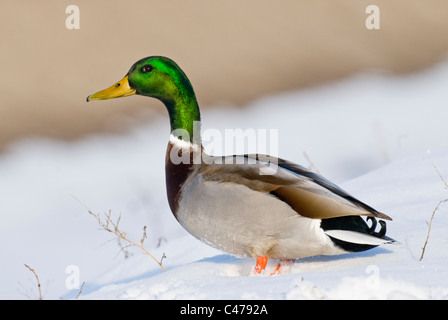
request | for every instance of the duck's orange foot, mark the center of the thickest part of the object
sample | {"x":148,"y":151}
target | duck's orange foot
{"x":261,"y":264}
{"x":263,"y":261}
{"x":282,"y":264}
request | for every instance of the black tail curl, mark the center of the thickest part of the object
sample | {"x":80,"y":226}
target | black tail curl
{"x":357,"y":224}
{"x":371,"y":230}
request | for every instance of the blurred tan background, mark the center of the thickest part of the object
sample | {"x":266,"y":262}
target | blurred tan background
{"x":233,"y":51}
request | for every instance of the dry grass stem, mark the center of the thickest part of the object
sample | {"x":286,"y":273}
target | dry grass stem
{"x":113,"y":227}
{"x":143,"y":236}
{"x":311,"y":165}
{"x":433,"y":214}
{"x":443,"y":180}
{"x":160,"y":240}
{"x":429,"y":227}
{"x":38,"y":282}
{"x":80,"y":290}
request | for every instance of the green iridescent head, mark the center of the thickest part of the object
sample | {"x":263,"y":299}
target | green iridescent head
{"x":160,"y":78}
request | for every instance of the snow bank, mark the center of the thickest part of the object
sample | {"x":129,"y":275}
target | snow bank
{"x":376,"y":136}
{"x":408,"y":190}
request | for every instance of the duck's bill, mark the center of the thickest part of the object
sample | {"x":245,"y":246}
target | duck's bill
{"x":117,"y":90}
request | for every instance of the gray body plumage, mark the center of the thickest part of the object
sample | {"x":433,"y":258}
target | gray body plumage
{"x":247,"y":207}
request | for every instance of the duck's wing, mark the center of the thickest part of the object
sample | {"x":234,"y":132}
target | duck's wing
{"x":308,"y":193}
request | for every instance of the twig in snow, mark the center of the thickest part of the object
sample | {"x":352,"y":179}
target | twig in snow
{"x":38,"y":282}
{"x":143,"y":236}
{"x":113,"y":227}
{"x":312,"y":167}
{"x":433,"y":213}
{"x":160,"y":240}
{"x":80,"y":290}
{"x":443,"y":180}
{"x":429,"y":227}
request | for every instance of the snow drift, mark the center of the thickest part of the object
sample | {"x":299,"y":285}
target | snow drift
{"x":379,"y":137}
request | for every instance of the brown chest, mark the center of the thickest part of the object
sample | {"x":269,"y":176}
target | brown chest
{"x":176,"y":173}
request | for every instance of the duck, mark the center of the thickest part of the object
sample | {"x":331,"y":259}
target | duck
{"x":249,"y":205}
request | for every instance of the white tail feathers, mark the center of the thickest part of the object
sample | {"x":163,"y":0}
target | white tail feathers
{"x":357,"y":237}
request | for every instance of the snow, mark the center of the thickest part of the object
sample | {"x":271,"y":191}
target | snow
{"x":377,"y":136}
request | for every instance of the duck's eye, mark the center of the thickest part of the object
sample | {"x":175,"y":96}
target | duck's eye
{"x":147,"y":68}
{"x":117,"y":85}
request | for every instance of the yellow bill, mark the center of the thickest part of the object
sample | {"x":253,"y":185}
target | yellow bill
{"x":119,"y":89}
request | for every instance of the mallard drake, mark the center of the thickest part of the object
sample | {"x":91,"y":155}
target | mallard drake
{"x":246,"y":205}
